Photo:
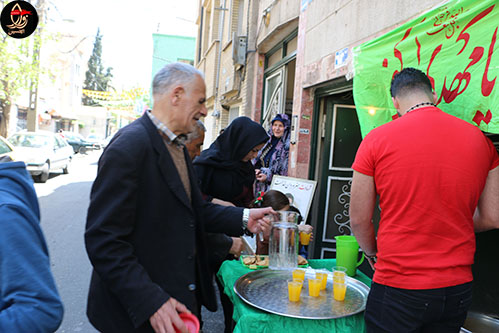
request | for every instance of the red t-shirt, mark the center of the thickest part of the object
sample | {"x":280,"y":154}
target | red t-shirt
{"x":429,"y":169}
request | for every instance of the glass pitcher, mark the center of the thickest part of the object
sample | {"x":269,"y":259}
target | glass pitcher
{"x":283,"y":244}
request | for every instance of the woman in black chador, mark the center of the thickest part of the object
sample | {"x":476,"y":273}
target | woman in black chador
{"x":226,"y":175}
{"x":225,"y":170}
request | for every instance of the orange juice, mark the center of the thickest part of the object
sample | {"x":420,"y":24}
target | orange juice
{"x":339,"y":290}
{"x":304,"y":238}
{"x":339,"y":278}
{"x":299,"y":274}
{"x":314,"y":287}
{"x":323,"y":277}
{"x":339,"y":274}
{"x":294,"y":290}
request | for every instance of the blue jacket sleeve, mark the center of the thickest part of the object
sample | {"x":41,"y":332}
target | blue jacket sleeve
{"x":29,"y":301}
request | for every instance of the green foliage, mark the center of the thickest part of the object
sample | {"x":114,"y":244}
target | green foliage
{"x":18,"y":67}
{"x":96,"y":78}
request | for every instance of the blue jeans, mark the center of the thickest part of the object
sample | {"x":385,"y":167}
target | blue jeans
{"x":439,"y":310}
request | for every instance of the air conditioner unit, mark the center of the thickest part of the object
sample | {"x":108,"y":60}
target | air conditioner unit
{"x":239,"y":45}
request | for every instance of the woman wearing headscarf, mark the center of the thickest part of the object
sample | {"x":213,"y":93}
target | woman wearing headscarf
{"x":273,"y":158}
{"x":225,"y":172}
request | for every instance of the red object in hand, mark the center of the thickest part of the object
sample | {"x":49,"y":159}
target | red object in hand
{"x":191,"y":321}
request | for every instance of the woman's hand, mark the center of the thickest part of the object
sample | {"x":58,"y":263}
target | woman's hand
{"x":261,"y":177}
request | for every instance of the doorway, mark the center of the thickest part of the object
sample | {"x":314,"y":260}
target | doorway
{"x":278,"y":92}
{"x":338,"y":138}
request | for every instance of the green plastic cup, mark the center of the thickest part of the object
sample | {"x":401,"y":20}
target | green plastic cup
{"x":347,"y":253}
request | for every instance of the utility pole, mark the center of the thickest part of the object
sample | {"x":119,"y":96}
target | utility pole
{"x":32,"y":117}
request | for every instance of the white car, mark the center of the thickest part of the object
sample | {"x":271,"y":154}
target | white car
{"x":6,"y":149}
{"x":43,"y":152}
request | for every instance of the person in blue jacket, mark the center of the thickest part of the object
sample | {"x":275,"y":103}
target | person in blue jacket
{"x":29,"y":301}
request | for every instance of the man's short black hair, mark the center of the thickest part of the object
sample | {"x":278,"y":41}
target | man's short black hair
{"x":409,"y":80}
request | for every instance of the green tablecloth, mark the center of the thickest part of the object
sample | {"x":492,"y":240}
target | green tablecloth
{"x":249,"y":319}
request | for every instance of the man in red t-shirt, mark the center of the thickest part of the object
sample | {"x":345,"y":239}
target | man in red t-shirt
{"x":437,"y":178}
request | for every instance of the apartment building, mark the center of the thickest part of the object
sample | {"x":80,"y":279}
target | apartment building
{"x":223,"y":53}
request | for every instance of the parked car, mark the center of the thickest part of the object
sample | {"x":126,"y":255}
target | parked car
{"x":97,"y":140}
{"x":6,"y":149}
{"x":79,"y":144}
{"x":106,"y":141}
{"x":43,"y":152}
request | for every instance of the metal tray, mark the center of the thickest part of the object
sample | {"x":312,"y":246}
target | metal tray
{"x":267,"y":289}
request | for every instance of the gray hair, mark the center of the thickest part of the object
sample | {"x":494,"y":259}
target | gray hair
{"x":171,"y":75}
{"x":199,"y":128}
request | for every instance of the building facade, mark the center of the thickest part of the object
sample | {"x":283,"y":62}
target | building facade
{"x":171,"y":48}
{"x":59,"y":92}
{"x":225,"y":52}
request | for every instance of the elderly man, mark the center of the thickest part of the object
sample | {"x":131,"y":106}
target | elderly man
{"x":431,"y":170}
{"x":147,"y":218}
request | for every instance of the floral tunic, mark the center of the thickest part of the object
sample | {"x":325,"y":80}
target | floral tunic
{"x":278,"y":163}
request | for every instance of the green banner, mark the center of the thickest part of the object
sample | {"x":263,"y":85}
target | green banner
{"x":455,"y":45}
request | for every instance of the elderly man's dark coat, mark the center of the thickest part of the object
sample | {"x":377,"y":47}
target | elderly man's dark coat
{"x":143,"y":236}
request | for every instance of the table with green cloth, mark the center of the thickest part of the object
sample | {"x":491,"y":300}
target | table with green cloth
{"x":250,"y":319}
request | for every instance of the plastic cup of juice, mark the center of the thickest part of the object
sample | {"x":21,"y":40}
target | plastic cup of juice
{"x":339,"y":274}
{"x":323,"y":277}
{"x":299,"y":275}
{"x":314,"y":287}
{"x":305,"y":238}
{"x":339,"y":290}
{"x":294,"y":290}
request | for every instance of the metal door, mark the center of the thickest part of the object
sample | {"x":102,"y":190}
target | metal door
{"x":342,"y":138}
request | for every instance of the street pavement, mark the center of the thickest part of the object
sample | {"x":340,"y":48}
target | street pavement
{"x":64,"y":202}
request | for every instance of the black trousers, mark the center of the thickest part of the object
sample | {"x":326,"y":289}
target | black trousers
{"x":227,"y":306}
{"x":439,"y":310}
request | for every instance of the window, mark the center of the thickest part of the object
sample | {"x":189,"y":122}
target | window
{"x":215,"y":23}
{"x":274,"y":58}
{"x":206,"y":32}
{"x":4,"y":148}
{"x":233,"y":113}
{"x":236,"y":18}
{"x":60,"y":142}
{"x":282,"y":50}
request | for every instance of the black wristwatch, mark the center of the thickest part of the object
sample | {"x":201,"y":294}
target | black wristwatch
{"x":374,"y":258}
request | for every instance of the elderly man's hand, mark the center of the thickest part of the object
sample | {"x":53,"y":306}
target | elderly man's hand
{"x":164,"y":320}
{"x":257,"y":221}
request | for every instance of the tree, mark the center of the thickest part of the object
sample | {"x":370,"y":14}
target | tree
{"x":17,"y":71}
{"x":20,"y":65}
{"x":95,"y":77}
